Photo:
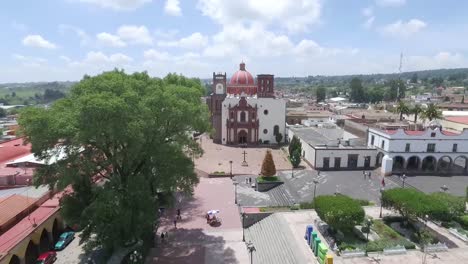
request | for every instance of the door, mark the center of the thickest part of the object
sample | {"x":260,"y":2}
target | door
{"x":242,"y":137}
{"x":326,"y":163}
{"x":366,"y":161}
{"x":337,"y":163}
{"x":352,"y":161}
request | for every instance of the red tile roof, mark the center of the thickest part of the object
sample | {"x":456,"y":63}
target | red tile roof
{"x":13,"y":149}
{"x":13,"y":206}
{"x":458,"y":119}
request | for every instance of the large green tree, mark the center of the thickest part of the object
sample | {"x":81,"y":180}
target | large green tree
{"x":340,"y":212}
{"x":402,"y":109}
{"x":321,"y":93}
{"x":416,"y":110}
{"x":126,"y":139}
{"x":357,"y":93}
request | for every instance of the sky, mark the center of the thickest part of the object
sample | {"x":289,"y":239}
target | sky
{"x":60,"y":40}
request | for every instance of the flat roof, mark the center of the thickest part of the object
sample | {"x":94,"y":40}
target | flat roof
{"x":321,"y":137}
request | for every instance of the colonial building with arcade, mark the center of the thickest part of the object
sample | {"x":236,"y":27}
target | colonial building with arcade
{"x":245,"y":110}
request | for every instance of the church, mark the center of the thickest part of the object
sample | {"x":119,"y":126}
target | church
{"x":245,"y":110}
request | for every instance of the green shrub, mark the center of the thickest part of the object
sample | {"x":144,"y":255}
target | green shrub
{"x":364,"y":202}
{"x":452,"y":206}
{"x":463,"y":221}
{"x":340,"y":212}
{"x":393,"y":218}
{"x":309,"y":205}
{"x":268,"y":179}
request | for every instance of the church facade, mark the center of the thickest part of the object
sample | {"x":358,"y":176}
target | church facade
{"x":245,"y":110}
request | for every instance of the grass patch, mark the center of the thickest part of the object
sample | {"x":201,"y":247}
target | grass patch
{"x":308,"y":205}
{"x":388,"y":238}
{"x":268,"y":179}
{"x":219,"y":172}
{"x":274,"y":209}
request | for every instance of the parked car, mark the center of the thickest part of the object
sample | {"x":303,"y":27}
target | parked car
{"x":64,"y":240}
{"x":47,"y":258}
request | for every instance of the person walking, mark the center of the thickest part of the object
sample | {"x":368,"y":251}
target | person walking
{"x":162,"y":237}
{"x":364,"y":174}
{"x":175,"y":222}
{"x":178,"y":214}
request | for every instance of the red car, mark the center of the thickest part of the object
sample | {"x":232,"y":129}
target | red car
{"x":47,"y":258}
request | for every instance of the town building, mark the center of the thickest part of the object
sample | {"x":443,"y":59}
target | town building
{"x":327,"y":147}
{"x":245,"y":110}
{"x":430,"y":151}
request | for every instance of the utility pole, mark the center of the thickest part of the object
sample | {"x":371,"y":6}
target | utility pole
{"x":399,"y":76}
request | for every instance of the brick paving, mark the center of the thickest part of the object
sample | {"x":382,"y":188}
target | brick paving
{"x":217,"y":157}
{"x":194,"y":241}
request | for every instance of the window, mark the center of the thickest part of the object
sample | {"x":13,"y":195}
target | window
{"x":382,"y":144}
{"x":265,"y":112}
{"x":372,"y":140}
{"x":275,"y":130}
{"x":265,"y":131}
{"x":430,"y":147}
{"x":337,"y":162}
{"x":232,"y":115}
{"x":432,"y":134}
{"x":454,"y":148}
{"x":407,"y":148}
{"x":253,"y":115}
{"x":242,"y":116}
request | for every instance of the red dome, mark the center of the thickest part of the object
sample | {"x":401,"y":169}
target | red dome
{"x":242,"y":77}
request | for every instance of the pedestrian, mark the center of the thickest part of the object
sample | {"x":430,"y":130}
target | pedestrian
{"x":364,"y":174}
{"x":250,"y":180}
{"x":369,"y":173}
{"x":162,"y":237}
{"x":175,"y":222}
{"x":178,"y":214}
{"x":318,"y":173}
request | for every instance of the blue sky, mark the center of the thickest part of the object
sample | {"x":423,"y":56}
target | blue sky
{"x":64,"y":39}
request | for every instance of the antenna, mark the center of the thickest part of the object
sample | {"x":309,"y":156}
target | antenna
{"x":399,"y":76}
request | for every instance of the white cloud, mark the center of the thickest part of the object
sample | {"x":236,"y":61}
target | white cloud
{"x":194,"y":41}
{"x":166,"y":34}
{"x":404,"y":29}
{"x":172,"y":7}
{"x":110,"y":40}
{"x":135,"y":34}
{"x":154,"y":55}
{"x":117,"y":4}
{"x":65,"y":58}
{"x":99,"y":60}
{"x":80,"y":33}
{"x":369,"y":22}
{"x":368,"y":11}
{"x":294,"y":16}
{"x":391,"y":3}
{"x":442,"y":59}
{"x":38,"y":41}
{"x":29,"y":61}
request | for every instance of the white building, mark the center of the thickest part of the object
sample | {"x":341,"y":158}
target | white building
{"x":429,"y":151}
{"x":327,"y":148}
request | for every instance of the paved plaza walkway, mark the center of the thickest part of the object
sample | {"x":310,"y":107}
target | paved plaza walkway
{"x":217,"y":157}
{"x":196,"y":242}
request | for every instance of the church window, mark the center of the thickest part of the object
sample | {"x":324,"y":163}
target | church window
{"x":265,"y":112}
{"x":242,"y":116}
{"x":275,"y":130}
{"x":265,"y":131}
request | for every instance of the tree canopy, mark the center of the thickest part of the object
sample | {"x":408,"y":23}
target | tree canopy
{"x":321,"y":94}
{"x":357,"y":94}
{"x":340,"y":212}
{"x":431,"y":113}
{"x":268,"y":165}
{"x":126,"y":138}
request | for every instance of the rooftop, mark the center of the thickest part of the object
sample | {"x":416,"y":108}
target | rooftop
{"x":458,"y":119}
{"x":13,"y":149}
{"x":327,"y":137}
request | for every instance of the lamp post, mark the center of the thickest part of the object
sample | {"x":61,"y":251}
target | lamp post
{"x":404,"y":179}
{"x":444,"y":188}
{"x":315,"y":186}
{"x":368,"y":225}
{"x":230,"y":163}
{"x":381,"y":200}
{"x":243,"y":226}
{"x":235,"y":191}
{"x":251,"y":249}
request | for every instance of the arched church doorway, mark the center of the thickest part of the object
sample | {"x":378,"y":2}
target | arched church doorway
{"x":242,"y":137}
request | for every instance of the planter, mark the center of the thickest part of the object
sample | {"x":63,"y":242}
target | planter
{"x":266,"y":186}
{"x":219,"y":175}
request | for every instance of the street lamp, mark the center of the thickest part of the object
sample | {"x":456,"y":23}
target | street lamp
{"x":235,"y":191}
{"x":315,"y":186}
{"x":135,"y":257}
{"x":251,"y":249}
{"x":444,"y":188}
{"x":243,"y":226}
{"x":230,"y":163}
{"x":381,"y":200}
{"x":368,"y":225}
{"x":404,"y":179}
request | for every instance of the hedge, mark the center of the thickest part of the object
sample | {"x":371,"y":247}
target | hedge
{"x":339,"y":212}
